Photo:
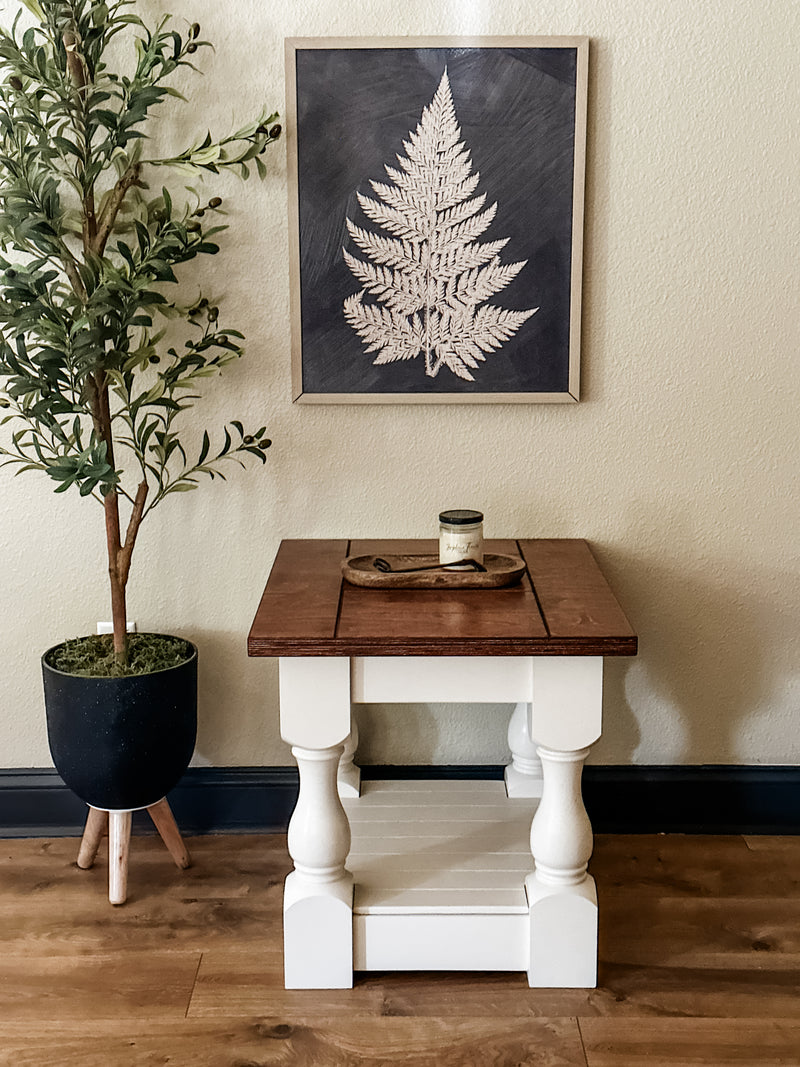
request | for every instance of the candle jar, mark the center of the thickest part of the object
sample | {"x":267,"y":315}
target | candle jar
{"x":460,"y":536}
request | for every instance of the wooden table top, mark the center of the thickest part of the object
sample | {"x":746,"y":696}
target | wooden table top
{"x":562,"y":606}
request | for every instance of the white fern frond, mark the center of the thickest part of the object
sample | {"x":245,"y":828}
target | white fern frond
{"x":419,"y":185}
{"x":452,"y":360}
{"x":480,"y":283}
{"x":424,"y":288}
{"x":452,"y":161}
{"x":493,"y":325}
{"x":401,"y":292}
{"x":394,"y":197}
{"x":455,"y":261}
{"x":453,"y":236}
{"x":409,"y":225}
{"x":404,"y":255}
{"x":392,"y":336}
{"x":469,"y":352}
{"x":452,"y":216}
{"x":456,"y":192}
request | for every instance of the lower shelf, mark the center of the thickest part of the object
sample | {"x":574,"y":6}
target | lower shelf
{"x":439,"y":871}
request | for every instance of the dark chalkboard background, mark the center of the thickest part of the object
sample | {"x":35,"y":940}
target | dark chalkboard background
{"x":516,"y":109}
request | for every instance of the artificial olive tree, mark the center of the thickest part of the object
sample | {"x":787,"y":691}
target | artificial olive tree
{"x":99,"y":358}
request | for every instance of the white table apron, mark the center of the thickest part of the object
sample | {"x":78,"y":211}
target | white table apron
{"x":557,"y":716}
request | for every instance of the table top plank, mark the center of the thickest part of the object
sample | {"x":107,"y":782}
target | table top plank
{"x":301,"y":599}
{"x":562,"y":606}
{"x":410,"y":616}
{"x":575,"y":598}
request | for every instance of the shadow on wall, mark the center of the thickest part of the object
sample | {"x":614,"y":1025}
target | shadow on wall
{"x":431,"y":734}
{"x":238,"y":702}
{"x":715,"y":658}
{"x":621,"y":731}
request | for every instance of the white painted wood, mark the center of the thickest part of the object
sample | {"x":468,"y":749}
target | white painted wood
{"x":455,"y":792}
{"x":562,"y":897}
{"x":561,"y":834}
{"x":397,"y":864}
{"x":420,"y":828}
{"x":119,"y":841}
{"x":481,"y":835}
{"x":432,"y":810}
{"x":437,"y":679}
{"x":318,"y":894}
{"x":441,"y":943}
{"x":314,"y":700}
{"x":403,"y":813}
{"x":349,"y":775}
{"x":523,"y":776}
{"x":410,"y":883}
{"x":317,"y":935}
{"x":563,"y":935}
{"x":483,"y":842}
{"x":448,"y":859}
{"x":454,"y":900}
{"x":319,"y":833}
{"x":567,"y":704}
{"x":442,"y":870}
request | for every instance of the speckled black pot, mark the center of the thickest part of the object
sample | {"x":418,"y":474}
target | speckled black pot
{"x":122,"y":743}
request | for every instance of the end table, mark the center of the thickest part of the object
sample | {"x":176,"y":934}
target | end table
{"x":440,"y":875}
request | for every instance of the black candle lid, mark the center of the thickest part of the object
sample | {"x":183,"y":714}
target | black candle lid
{"x":461,"y":518}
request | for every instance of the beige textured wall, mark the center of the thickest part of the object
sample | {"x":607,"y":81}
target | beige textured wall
{"x":680,"y":464}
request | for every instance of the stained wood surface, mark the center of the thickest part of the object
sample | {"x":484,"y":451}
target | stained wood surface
{"x":575,"y":598}
{"x":699,"y":965}
{"x":562,"y":606}
{"x":425,"y":572}
{"x":301,"y":598}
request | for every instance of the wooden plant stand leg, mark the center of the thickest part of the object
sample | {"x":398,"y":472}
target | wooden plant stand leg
{"x":119,"y":843}
{"x":118,"y":826}
{"x":164,"y":820}
{"x":93,"y":832}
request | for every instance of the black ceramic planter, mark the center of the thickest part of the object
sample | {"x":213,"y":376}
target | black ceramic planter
{"x":122,"y":743}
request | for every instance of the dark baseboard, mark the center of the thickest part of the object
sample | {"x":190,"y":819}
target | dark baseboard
{"x":207,"y":800}
{"x":622,"y":799}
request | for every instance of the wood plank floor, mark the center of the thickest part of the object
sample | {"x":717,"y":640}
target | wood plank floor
{"x":699,"y":964}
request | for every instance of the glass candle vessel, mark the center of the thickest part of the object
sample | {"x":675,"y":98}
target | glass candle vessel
{"x":460,"y":536}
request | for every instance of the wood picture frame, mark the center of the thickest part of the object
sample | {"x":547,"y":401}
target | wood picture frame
{"x":436,"y":196}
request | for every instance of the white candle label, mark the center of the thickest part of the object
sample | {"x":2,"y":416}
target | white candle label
{"x":455,"y":546}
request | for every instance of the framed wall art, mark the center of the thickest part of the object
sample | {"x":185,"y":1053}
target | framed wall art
{"x":436,"y":205}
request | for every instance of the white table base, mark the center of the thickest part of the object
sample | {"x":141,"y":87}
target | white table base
{"x":495,"y":882}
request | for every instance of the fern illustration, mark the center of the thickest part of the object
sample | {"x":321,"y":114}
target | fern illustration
{"x":427,"y":275}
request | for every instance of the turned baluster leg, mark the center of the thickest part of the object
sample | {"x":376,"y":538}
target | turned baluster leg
{"x":318,"y":894}
{"x":561,"y":895}
{"x":349,"y":774}
{"x":566,"y":719}
{"x":523,"y":776}
{"x":96,"y":827}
